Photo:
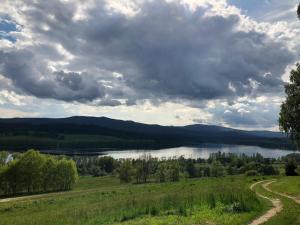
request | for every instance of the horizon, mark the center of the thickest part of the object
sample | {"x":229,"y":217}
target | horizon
{"x":140,"y":122}
{"x":215,"y":62}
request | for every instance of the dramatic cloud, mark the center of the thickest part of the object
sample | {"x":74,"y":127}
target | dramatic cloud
{"x":127,"y":52}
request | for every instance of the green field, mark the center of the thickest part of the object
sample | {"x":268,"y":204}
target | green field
{"x":106,"y":201}
{"x":288,"y":185}
{"x":290,"y":214}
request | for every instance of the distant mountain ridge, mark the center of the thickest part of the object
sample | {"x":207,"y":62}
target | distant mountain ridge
{"x":130,"y":134}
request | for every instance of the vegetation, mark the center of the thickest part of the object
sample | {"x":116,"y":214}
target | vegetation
{"x":135,"y":191}
{"x":290,"y":111}
{"x":298,"y":11}
{"x":32,"y":172}
{"x":289,"y":215}
{"x":84,"y":134}
{"x":290,"y":168}
{"x":104,"y":200}
{"x":288,"y":185}
{"x":149,"y":169}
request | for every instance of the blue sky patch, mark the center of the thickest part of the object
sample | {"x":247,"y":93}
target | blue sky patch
{"x":6,"y":27}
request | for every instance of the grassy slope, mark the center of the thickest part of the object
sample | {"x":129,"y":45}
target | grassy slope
{"x":106,"y":201}
{"x":290,"y":214}
{"x":288,"y":185}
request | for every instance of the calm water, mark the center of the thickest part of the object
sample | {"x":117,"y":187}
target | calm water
{"x":200,"y":152}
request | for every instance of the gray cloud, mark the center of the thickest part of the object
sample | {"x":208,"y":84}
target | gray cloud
{"x":166,"y":52}
{"x":29,"y":75}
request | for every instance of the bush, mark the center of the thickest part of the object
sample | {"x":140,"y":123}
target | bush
{"x":98,"y":172}
{"x":269,"y":170}
{"x":251,"y":173}
{"x":290,"y":168}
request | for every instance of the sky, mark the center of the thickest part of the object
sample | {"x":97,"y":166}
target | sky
{"x":168,"y":62}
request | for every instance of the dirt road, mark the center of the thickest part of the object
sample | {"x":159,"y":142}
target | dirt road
{"x":277,"y":205}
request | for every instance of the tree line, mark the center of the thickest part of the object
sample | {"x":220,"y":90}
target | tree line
{"x":33,"y":172}
{"x":147,"y":168}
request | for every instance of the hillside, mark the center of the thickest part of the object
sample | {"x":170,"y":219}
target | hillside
{"x":100,"y":132}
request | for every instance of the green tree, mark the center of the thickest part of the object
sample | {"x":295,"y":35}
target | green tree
{"x":290,"y":168}
{"x":126,"y":171}
{"x":161,"y":172}
{"x":298,"y":11}
{"x":190,"y":168}
{"x":173,"y":170}
{"x":30,"y":166}
{"x":66,"y":174}
{"x":107,"y":163}
{"x":290,"y":110}
{"x":49,"y":174}
{"x":3,"y":185}
{"x":143,"y":168}
{"x":3,"y":157}
{"x":217,"y":170}
{"x":13,"y":179}
{"x":35,"y":172}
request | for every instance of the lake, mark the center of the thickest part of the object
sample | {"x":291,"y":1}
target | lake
{"x":199,"y":152}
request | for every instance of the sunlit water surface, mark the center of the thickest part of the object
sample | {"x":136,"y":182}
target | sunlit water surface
{"x":199,"y":152}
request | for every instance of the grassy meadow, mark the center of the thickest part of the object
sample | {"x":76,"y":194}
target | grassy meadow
{"x":287,"y":185}
{"x":290,"y":214}
{"x":104,"y":200}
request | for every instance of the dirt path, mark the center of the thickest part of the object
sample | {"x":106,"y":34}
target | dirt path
{"x":295,"y":199}
{"x":277,"y":205}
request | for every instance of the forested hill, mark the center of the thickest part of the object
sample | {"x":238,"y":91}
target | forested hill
{"x":101,"y":132}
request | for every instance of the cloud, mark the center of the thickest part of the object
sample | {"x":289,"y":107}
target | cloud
{"x":125,"y":53}
{"x":260,"y":112}
{"x":29,"y":75}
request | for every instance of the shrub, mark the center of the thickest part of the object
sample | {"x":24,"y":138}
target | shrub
{"x":290,"y":168}
{"x":251,"y":173}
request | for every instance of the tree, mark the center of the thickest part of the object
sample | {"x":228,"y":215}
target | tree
{"x":268,"y":170}
{"x":290,"y":168}
{"x":217,"y":170}
{"x":107,"y":163}
{"x":143,"y":168}
{"x":12,"y":178}
{"x":161,"y":172}
{"x":35,"y":172}
{"x":290,"y":110}
{"x":126,"y":171}
{"x":2,"y":180}
{"x":3,"y":157}
{"x":298,"y":11}
{"x":190,"y":168}
{"x":66,"y":174}
{"x":96,"y":171}
{"x":206,"y":171}
{"x":173,"y":170}
{"x":30,"y":169}
{"x":49,"y":174}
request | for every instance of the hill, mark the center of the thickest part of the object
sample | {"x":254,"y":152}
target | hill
{"x":98,"y":133}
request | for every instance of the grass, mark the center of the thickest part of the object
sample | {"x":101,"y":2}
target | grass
{"x":288,"y":185}
{"x":290,"y":214}
{"x":104,"y":200}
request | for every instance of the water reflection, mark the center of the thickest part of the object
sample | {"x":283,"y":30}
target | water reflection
{"x":200,"y":152}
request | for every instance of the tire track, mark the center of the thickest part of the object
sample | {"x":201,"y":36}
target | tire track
{"x":277,"y":204}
